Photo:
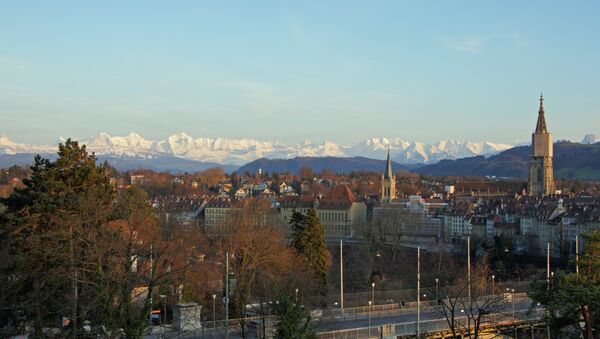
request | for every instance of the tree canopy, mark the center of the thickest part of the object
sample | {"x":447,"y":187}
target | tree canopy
{"x":309,"y":241}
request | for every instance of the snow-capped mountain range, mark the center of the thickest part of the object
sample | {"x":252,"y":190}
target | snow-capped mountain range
{"x":238,"y":152}
{"x":241,"y":151}
{"x":590,"y":139}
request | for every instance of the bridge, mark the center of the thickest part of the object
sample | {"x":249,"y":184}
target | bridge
{"x":380,"y":321}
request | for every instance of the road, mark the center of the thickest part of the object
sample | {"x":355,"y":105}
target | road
{"x":378,"y":320}
{"x":403,"y":320}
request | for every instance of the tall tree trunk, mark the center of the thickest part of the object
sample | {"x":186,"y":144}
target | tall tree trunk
{"x":585,"y":311}
{"x":74,"y":284}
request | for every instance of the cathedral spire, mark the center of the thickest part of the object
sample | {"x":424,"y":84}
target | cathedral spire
{"x":541,"y":122}
{"x":388,"y":166}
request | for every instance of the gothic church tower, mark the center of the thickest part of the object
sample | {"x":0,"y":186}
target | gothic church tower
{"x":388,"y":182}
{"x":541,"y":173}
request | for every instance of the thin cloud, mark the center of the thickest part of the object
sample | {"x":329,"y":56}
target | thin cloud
{"x":465,"y":45}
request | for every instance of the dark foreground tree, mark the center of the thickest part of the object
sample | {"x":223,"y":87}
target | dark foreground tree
{"x":74,"y":250}
{"x":45,"y":233}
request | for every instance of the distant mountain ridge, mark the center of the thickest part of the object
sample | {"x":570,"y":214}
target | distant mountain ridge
{"x":571,"y":161}
{"x":180,"y":153}
{"x":160,"y":163}
{"x":590,"y":139}
{"x":241,"y":151}
{"x":318,"y":164}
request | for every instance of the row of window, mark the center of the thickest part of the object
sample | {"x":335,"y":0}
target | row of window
{"x":332,"y":217}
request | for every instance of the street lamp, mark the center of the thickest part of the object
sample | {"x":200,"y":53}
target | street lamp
{"x":373,"y":292}
{"x":370,"y":309}
{"x":513,"y":308}
{"x":437,"y":289}
{"x":493,"y":284}
{"x":296,"y":296}
{"x":164,"y":299}
{"x":214,"y":296}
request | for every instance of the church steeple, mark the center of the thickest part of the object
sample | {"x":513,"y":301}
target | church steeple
{"x":388,"y":167}
{"x":541,"y":173}
{"x":388,"y":182}
{"x":541,"y":122}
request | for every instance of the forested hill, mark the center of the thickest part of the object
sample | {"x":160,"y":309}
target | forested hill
{"x":318,"y":164}
{"x":571,"y":161}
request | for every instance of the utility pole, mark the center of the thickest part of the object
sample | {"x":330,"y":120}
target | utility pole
{"x":418,"y":291}
{"x":152,"y":278}
{"x":214,"y":296}
{"x":548,"y":285}
{"x":373,"y":292}
{"x":370,"y":310}
{"x":226,"y":294}
{"x":469,"y":266}
{"x":342,"y":275}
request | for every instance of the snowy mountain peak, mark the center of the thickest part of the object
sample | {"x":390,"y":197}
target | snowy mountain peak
{"x":241,"y":151}
{"x":590,"y":139}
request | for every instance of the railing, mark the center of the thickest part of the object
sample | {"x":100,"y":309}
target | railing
{"x":407,"y":295}
{"x":349,"y":314}
{"x":409,"y":307}
{"x":218,"y":328}
{"x":434,"y":326}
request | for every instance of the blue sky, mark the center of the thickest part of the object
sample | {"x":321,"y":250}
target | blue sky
{"x":289,"y":71}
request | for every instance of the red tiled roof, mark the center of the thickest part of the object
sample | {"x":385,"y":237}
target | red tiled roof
{"x":340,"y":193}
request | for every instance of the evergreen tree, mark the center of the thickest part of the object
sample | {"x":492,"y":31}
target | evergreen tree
{"x":573,"y":299}
{"x":69,"y":245}
{"x":48,"y":231}
{"x":309,"y":241}
{"x":294,"y":320}
{"x":297,"y":226}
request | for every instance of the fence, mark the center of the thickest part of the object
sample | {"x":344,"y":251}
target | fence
{"x":397,"y":296}
{"x":433,"y":326}
{"x":218,"y":328}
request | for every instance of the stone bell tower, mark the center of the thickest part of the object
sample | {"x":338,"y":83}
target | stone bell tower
{"x":541,"y":172}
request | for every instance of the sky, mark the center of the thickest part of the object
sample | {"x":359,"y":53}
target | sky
{"x":341,"y":71}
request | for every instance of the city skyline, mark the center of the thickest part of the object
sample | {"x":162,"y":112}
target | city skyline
{"x":343,"y":72}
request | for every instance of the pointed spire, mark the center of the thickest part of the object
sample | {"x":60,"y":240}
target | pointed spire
{"x":541,"y":122}
{"x":388,"y":166}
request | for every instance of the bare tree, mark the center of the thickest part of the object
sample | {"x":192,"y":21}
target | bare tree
{"x":262,"y":262}
{"x":470,"y":300}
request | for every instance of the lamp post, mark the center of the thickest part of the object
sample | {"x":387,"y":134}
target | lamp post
{"x":296,"y":296}
{"x":437,"y":289}
{"x":226,"y":295}
{"x":214,"y":296}
{"x":493,"y":284}
{"x":513,"y":308}
{"x":342,"y":275}
{"x":163,"y":319}
{"x":164,"y":323}
{"x":418,"y":291}
{"x":469,"y":266}
{"x":373,"y":292}
{"x":370,"y":309}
